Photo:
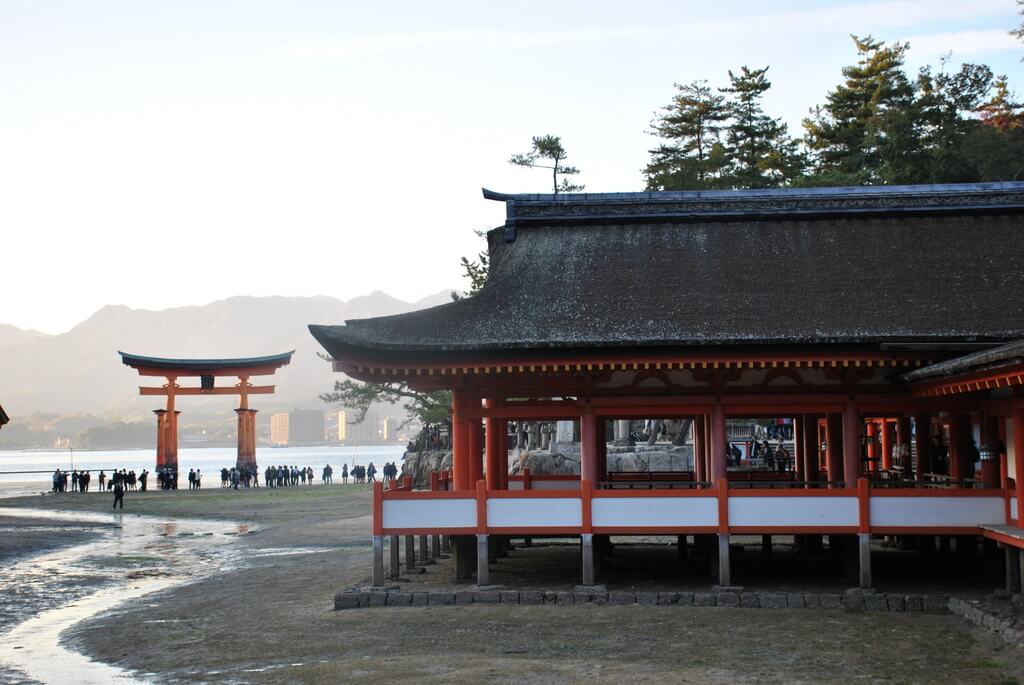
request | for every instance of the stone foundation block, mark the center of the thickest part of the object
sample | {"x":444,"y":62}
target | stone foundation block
{"x":830,"y":600}
{"x":648,"y":598}
{"x":936,"y":603}
{"x":728,"y":599}
{"x":812,"y":600}
{"x":795,"y":600}
{"x":915,"y":603}
{"x":705,"y":599}
{"x":486,"y":597}
{"x":668,"y":598}
{"x":854,"y":602}
{"x":508,"y":597}
{"x":348,"y":600}
{"x":377,"y":599}
{"x":896,"y":602}
{"x":531,"y":597}
{"x":748,"y":600}
{"x":441,"y":598}
{"x":620,"y":598}
{"x":774,"y":600}
{"x":419,"y":599}
{"x":399,"y":599}
{"x":565,"y":598}
{"x":875,"y":603}
{"x":464,"y":597}
{"x":686,"y":599}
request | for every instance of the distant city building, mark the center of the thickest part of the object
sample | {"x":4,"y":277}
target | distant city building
{"x":366,"y":432}
{"x":388,"y":427}
{"x":279,"y":428}
{"x":305,"y":426}
{"x":342,"y":425}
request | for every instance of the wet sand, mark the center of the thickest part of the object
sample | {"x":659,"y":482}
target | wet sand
{"x":270,"y":620}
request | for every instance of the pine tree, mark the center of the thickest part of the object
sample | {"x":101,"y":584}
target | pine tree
{"x":761,"y":154}
{"x":549,"y":147}
{"x":865,"y":133}
{"x":693,"y":156}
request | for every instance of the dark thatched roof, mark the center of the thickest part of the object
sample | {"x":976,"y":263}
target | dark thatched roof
{"x":993,"y":358}
{"x":781,"y":267}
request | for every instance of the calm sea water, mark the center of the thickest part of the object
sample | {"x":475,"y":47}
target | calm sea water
{"x":209,"y":460}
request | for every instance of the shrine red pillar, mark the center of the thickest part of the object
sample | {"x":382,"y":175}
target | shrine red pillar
{"x":961,"y":461}
{"x":809,"y":446}
{"x":1018,"y":461}
{"x":171,"y":441}
{"x":851,"y":445}
{"x":834,"y":447}
{"x":717,"y":443}
{"x":886,"y":444}
{"x":460,"y":442}
{"x":476,"y":446}
{"x":161,"y":436}
{"x":246,"y":458}
{"x":494,"y":428}
{"x":699,"y":443}
{"x":872,"y":432}
{"x":591,"y":432}
{"x":923,"y":445}
{"x":990,"y":469}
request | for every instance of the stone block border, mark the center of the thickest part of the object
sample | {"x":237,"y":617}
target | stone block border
{"x":1009,"y":627}
{"x":854,"y":600}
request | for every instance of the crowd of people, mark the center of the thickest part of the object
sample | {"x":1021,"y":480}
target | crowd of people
{"x":81,"y":481}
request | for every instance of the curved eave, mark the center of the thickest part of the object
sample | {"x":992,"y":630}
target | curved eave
{"x":273,"y":361}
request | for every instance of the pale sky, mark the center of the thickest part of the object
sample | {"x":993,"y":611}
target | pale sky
{"x":158,"y":154}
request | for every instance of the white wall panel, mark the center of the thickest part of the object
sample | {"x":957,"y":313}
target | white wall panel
{"x":936,"y":511}
{"x":654,"y":511}
{"x":430,"y":513}
{"x":793,"y":511}
{"x":535,"y":512}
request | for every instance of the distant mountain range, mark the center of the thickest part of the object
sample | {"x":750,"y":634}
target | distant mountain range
{"x":80,"y":372}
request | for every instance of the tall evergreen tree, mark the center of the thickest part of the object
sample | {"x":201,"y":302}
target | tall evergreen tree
{"x":549,"y":147}
{"x":693,"y":156}
{"x":864,"y":134}
{"x":761,"y":154}
{"x":946,"y":107}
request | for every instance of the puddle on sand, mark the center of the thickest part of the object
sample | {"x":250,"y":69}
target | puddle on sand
{"x":51,"y":592}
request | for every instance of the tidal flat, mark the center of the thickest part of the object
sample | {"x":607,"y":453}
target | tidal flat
{"x":239,"y":589}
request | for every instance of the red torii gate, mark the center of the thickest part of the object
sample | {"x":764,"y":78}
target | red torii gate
{"x":207,"y":370}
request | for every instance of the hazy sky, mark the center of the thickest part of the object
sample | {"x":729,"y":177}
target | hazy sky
{"x":158,"y":154}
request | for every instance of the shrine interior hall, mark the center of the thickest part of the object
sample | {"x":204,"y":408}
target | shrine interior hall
{"x":886,"y":324}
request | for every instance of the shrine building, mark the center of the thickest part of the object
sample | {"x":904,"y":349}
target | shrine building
{"x":886,"y":324}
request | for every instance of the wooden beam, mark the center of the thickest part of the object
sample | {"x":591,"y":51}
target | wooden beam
{"x":229,"y":390}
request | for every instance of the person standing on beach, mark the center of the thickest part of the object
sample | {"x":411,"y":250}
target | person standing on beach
{"x":103,"y":480}
{"x":119,"y":493}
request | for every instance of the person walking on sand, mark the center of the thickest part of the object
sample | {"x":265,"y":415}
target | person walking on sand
{"x":344,"y":474}
{"x":119,"y":493}
{"x":371,"y":473}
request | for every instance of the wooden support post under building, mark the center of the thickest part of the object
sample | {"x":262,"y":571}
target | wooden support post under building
{"x":410,"y":553}
{"x":424,"y":552}
{"x":587,"y":562}
{"x":378,"y":560}
{"x":1013,"y":568}
{"x":483,"y":558}
{"x":396,"y":563}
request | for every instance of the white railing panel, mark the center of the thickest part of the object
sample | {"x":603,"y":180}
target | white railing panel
{"x":535,"y":512}
{"x":793,"y":511}
{"x":429,"y":513}
{"x":654,"y":511}
{"x":936,"y":511}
